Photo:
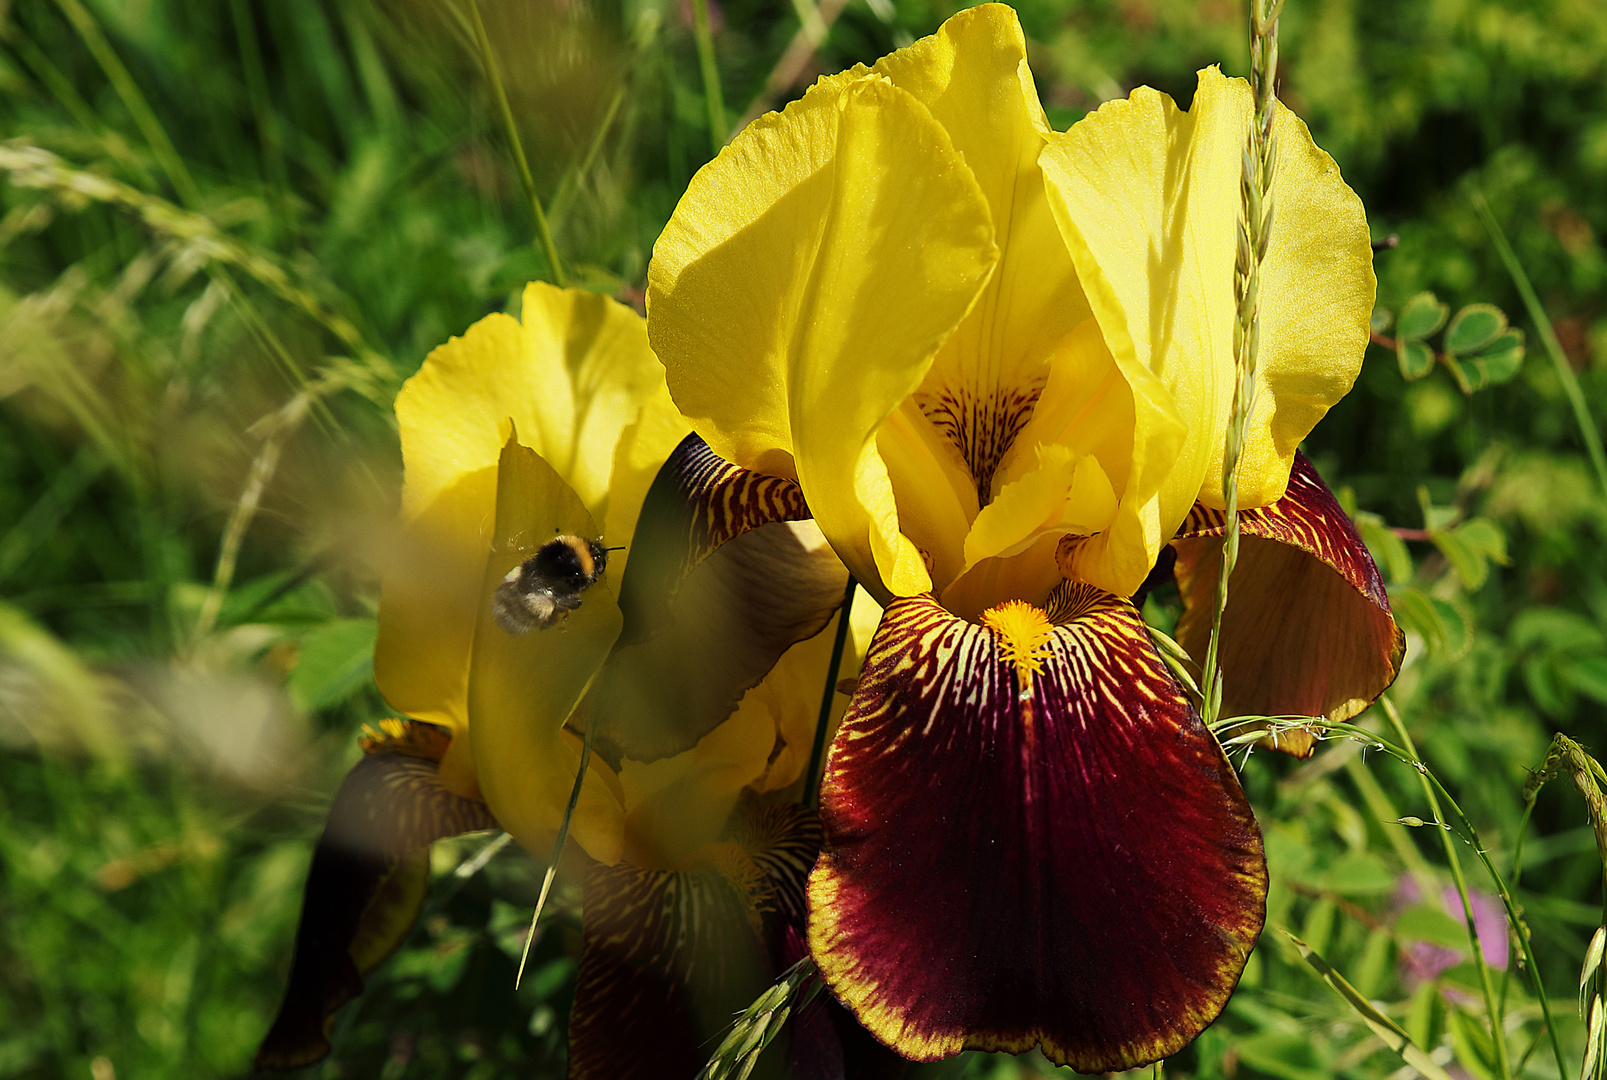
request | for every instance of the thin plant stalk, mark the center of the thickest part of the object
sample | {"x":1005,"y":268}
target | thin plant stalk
{"x":511,"y":129}
{"x":812,"y":775}
{"x":713,"y":99}
{"x":134,"y":101}
{"x":559,"y":842}
{"x":1537,"y":314}
{"x":1491,"y":1003}
{"x":1255,"y":227}
{"x":1369,"y":738}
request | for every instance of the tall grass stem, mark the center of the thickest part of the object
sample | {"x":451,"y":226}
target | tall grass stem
{"x":1542,"y":323}
{"x":713,"y":98}
{"x":817,"y":752}
{"x":494,"y":74}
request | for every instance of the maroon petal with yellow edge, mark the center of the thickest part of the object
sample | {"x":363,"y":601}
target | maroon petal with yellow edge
{"x":1307,"y":630}
{"x":1031,"y":839}
{"x":724,"y":576}
{"x":369,"y":875}
{"x":669,"y":958}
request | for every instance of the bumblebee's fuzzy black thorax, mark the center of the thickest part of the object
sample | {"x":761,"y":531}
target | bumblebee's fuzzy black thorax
{"x":543,"y":590}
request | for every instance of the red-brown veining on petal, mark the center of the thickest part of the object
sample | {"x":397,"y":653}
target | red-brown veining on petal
{"x":984,"y":429}
{"x":1067,"y":863}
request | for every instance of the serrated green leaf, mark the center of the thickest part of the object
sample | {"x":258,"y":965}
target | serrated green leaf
{"x":335,"y":660}
{"x":1469,"y":562}
{"x":1422,"y":316}
{"x":1468,"y":379}
{"x":1474,"y":327}
{"x":1485,"y":536}
{"x":1416,"y":359}
{"x":1381,"y":318}
{"x":1500,"y":359}
{"x":1393,"y":1035}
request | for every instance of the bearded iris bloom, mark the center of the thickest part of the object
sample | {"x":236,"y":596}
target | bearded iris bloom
{"x":997,"y":362}
{"x":703,"y":701}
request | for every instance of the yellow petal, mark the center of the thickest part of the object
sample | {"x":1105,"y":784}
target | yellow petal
{"x":1066,"y":493}
{"x":1123,"y":417}
{"x":1147,"y":198}
{"x":801,"y":290}
{"x":569,"y":377}
{"x":643,"y":448}
{"x":429,"y":600}
{"x":1317,"y":290}
{"x":936,"y":496}
{"x":523,"y":689}
{"x":973,"y":77}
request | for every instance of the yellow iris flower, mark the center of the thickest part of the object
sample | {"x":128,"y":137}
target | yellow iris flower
{"x":967,"y":336}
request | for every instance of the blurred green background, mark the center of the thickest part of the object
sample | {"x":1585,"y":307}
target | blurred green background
{"x":229,"y":230}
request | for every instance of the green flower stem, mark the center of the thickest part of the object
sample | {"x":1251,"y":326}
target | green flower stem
{"x":712,"y":96}
{"x":1362,"y":735}
{"x":818,"y":751}
{"x":1537,"y":314}
{"x":1255,"y":226}
{"x":511,"y":129}
{"x":1498,"y":1038}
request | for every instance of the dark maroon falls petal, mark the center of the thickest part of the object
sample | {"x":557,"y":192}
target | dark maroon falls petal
{"x":1308,"y":629}
{"x":1031,"y":840}
{"x":370,"y":873}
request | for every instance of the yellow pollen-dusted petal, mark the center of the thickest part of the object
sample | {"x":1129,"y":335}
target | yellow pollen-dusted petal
{"x":1023,"y":630}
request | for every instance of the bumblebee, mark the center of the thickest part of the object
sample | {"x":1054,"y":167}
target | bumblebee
{"x":543,"y":590}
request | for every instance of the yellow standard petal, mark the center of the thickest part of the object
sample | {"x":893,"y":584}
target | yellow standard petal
{"x":801,"y":290}
{"x":523,"y":689}
{"x":569,"y":376}
{"x":1146,"y":197}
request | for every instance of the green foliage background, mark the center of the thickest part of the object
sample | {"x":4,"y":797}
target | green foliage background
{"x":198,"y":360}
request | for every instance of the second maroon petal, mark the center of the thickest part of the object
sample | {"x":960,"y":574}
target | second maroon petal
{"x":1307,"y":630}
{"x":1012,"y":859}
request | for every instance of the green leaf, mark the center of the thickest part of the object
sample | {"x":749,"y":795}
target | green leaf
{"x":1422,"y":316}
{"x":1387,"y":548}
{"x":1393,"y":1035}
{"x":1469,"y":562}
{"x":1285,"y":1055}
{"x":1485,"y":536}
{"x":1588,"y":675}
{"x":1416,"y":359}
{"x":1359,"y":873}
{"x":335,"y":661}
{"x":1471,"y":1041}
{"x":1380,"y":320}
{"x":1500,"y":359}
{"x":1430,"y":924}
{"x":1417,"y":613}
{"x":1458,"y":630}
{"x":1474,"y":327}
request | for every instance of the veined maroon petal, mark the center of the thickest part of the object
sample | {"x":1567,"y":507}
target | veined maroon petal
{"x":669,"y":958}
{"x":1061,"y":859}
{"x":369,"y":875}
{"x":718,"y":586}
{"x":1307,"y":630}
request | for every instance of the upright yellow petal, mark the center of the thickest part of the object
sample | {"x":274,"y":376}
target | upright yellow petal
{"x":973,"y":77}
{"x":569,"y":376}
{"x":523,"y":689}
{"x":801,"y":290}
{"x":1317,"y":290}
{"x":1147,"y":198}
